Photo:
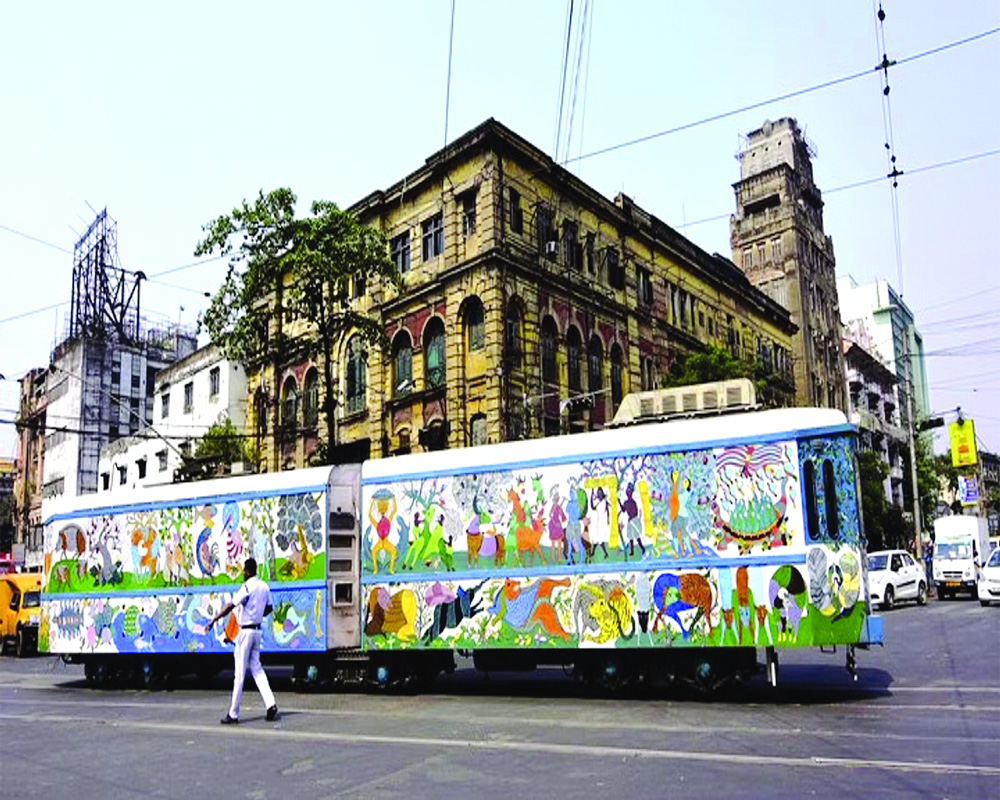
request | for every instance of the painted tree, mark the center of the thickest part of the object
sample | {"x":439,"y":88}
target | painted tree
{"x":282,"y":268}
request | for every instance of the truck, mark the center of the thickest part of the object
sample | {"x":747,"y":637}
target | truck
{"x":20,"y":611}
{"x":961,"y":547}
{"x":667,"y":551}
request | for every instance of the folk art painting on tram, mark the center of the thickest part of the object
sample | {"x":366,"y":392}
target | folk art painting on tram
{"x":744,"y":542}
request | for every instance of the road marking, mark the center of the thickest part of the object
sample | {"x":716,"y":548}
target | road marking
{"x":571,"y":724}
{"x":574,"y":750}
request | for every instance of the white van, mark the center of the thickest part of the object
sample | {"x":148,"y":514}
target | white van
{"x":961,"y":547}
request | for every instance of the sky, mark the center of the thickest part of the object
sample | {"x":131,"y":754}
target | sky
{"x":168,"y":115}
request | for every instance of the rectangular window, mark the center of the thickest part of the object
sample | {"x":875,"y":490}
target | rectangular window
{"x":547,"y":235}
{"x":214,"y":379}
{"x":161,"y":458}
{"x":140,"y":465}
{"x":572,"y":249}
{"x":359,"y":285}
{"x":433,"y":241}
{"x":188,"y":397}
{"x":468,"y":214}
{"x":122,"y":475}
{"x":761,"y":252}
{"x":644,"y":286}
{"x":684,"y":307}
{"x":590,"y":253}
{"x":747,"y":257}
{"x":776,"y":248}
{"x":401,"y":251}
{"x":616,"y":273}
{"x":164,"y":405}
{"x":516,"y":214}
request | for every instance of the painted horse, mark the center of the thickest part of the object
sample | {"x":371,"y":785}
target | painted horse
{"x":673,"y":594}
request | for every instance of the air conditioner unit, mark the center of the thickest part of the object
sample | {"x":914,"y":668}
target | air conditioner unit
{"x":552,"y":249}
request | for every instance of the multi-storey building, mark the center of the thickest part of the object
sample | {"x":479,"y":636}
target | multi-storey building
{"x":873,"y":406}
{"x":530,"y":305}
{"x":882,"y":311}
{"x":778,"y":241}
{"x":31,"y":418}
{"x":190,"y":396}
{"x":100,"y":390}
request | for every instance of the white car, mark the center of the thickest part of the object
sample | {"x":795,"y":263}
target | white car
{"x":989,"y":579}
{"x":893,"y":575}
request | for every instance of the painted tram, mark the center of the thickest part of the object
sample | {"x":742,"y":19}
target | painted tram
{"x":669,"y":550}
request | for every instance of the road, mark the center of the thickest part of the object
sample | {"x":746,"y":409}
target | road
{"x":923,"y":720}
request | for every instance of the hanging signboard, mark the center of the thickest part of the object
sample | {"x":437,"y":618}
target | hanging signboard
{"x":963,"y":443}
{"x":968,"y":490}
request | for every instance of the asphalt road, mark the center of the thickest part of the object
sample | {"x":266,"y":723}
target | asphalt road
{"x":923,"y":720}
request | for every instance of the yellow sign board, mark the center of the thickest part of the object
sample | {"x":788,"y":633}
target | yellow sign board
{"x":963,"y":443}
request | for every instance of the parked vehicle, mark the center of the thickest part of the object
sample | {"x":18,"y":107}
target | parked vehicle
{"x":961,"y":546}
{"x":20,"y":611}
{"x":989,"y":580}
{"x":894,"y":575}
{"x":670,"y":550}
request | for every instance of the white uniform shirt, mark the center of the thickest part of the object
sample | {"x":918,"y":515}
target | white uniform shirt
{"x":253,"y":596}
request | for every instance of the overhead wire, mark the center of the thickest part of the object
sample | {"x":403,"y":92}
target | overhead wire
{"x":779,"y":98}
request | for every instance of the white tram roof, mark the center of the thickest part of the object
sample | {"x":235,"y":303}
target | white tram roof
{"x":680,"y":434}
{"x":527,"y":455}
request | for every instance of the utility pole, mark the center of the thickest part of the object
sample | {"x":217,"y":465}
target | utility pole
{"x":910,"y":426}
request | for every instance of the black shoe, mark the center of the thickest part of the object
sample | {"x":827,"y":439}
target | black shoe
{"x":228,"y":720}
{"x":272,"y":713}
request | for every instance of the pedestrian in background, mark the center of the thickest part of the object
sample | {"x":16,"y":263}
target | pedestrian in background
{"x":253,"y":601}
{"x":928,"y":564}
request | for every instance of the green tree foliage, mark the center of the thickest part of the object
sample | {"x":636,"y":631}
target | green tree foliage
{"x":283,"y":267}
{"x":873,"y":471}
{"x":224,"y":444}
{"x":714,"y":364}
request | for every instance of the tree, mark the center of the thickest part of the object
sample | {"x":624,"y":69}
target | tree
{"x":224,"y":444}
{"x":286,"y":268}
{"x":872,"y":472}
{"x":714,"y":364}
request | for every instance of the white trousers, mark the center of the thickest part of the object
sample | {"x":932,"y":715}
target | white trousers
{"x":248,"y":654}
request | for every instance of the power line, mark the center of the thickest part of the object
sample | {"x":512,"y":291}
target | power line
{"x":797,"y":93}
{"x":868,"y":182}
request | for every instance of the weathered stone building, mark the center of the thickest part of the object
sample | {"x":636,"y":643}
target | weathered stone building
{"x":530,"y":305}
{"x":778,"y":241}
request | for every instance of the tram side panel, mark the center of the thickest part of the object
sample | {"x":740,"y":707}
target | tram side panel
{"x":695,"y":547}
{"x":147,"y":578}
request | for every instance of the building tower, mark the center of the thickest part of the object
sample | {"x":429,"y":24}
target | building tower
{"x":778,"y":241}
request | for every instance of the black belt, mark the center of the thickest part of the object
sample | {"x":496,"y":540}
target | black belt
{"x":251,"y":627}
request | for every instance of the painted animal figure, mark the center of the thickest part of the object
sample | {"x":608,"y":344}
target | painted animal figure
{"x":602,"y":611}
{"x":673,"y":594}
{"x":789,"y":596}
{"x":529,"y":607}
{"x":207,"y":554}
{"x":527,"y":530}
{"x":396,"y":613}
{"x":450,"y":614}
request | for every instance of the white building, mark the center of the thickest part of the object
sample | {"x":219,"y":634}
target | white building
{"x":883,"y":313}
{"x":100,"y":390}
{"x":191,"y":396}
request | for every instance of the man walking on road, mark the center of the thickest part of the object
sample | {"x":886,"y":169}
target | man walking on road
{"x":254,"y":600}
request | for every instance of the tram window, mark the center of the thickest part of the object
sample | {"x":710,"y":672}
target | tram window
{"x":809,"y":485}
{"x":830,"y":500}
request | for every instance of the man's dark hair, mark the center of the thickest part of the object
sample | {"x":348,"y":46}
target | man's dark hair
{"x":250,"y":567}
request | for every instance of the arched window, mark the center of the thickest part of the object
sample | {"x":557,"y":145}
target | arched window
{"x":310,"y":399}
{"x":289,"y":402}
{"x":475,"y":324}
{"x":402,"y":364}
{"x":515,"y":346}
{"x":616,"y":375}
{"x":356,"y":375}
{"x":595,"y":362}
{"x":550,"y":343}
{"x":434,"y":364}
{"x":574,"y":347}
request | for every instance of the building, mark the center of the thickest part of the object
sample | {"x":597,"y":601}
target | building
{"x":531,"y":304}
{"x":100,"y":391}
{"x":8,"y":473}
{"x":778,"y":241}
{"x":873,"y":407}
{"x":190,"y":396}
{"x":883,"y":313}
{"x":31,"y":419}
